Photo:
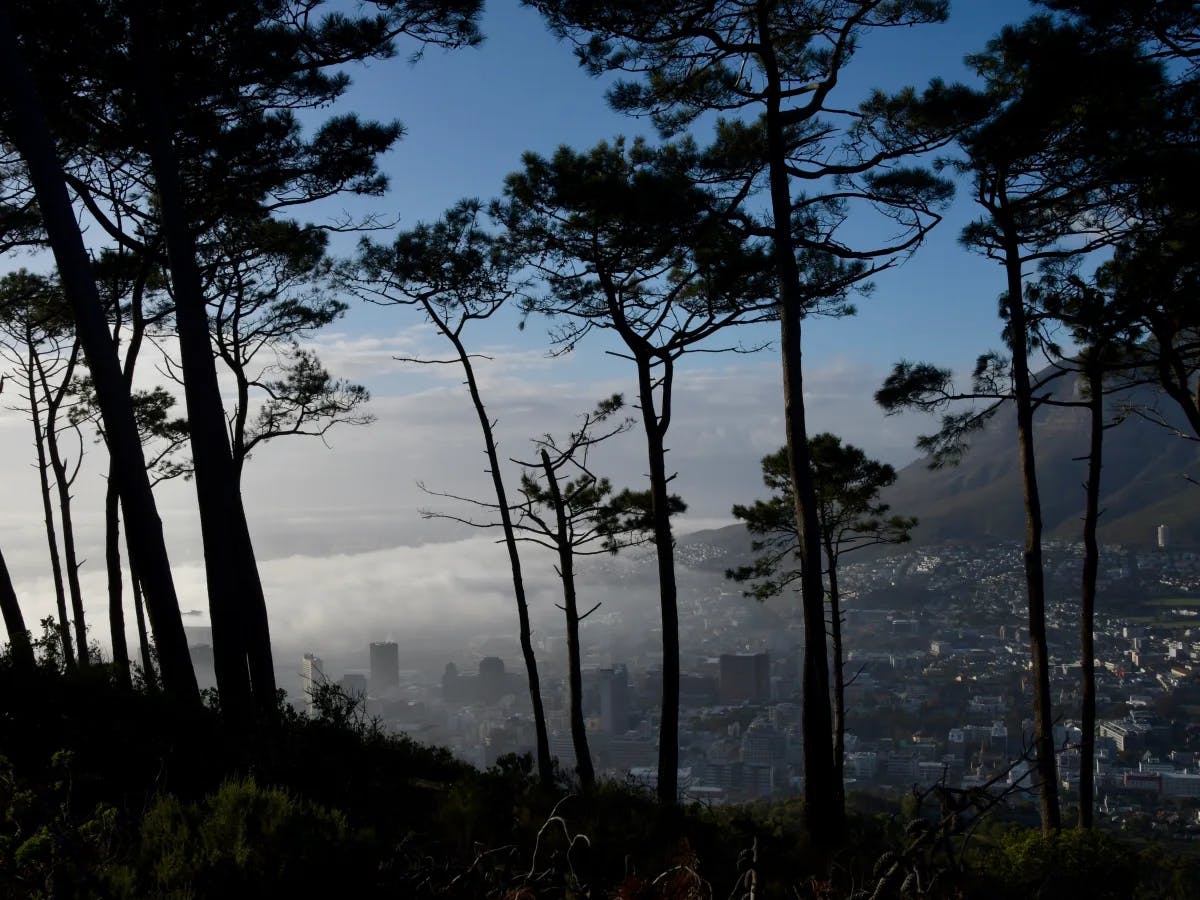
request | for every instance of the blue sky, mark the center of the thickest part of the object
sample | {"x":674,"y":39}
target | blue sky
{"x":346,"y":513}
{"x":471,"y":114}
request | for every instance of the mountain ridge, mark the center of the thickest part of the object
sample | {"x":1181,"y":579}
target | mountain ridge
{"x":1145,"y":480}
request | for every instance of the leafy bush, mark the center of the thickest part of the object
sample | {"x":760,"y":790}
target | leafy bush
{"x":246,"y":840}
{"x":1072,"y":863}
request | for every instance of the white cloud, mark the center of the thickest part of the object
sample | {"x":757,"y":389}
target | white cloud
{"x":345,"y":553}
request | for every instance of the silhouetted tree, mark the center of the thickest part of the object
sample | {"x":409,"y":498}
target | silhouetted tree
{"x":626,"y":241}
{"x":268,"y":288}
{"x":1100,"y":364}
{"x":37,"y":339}
{"x":774,"y":68}
{"x":1054,"y":102}
{"x":163,"y":435}
{"x":851,"y":517}
{"x":459,"y":274}
{"x":198,"y":100}
{"x":26,"y":127}
{"x":132,"y":292}
{"x":585,"y":519}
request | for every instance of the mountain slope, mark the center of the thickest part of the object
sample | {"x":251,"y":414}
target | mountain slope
{"x":1144,"y":484}
{"x":1143,"y":479}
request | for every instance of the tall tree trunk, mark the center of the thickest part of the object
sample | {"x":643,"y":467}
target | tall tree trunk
{"x":149,"y":675}
{"x":544,"y":762}
{"x":566,"y":570}
{"x":1043,"y":720}
{"x":1087,"y":594}
{"x":655,"y":423}
{"x":116,"y":610}
{"x":823,"y":814}
{"x":62,"y":483}
{"x":70,"y":557}
{"x":839,"y":680}
{"x":241,"y":639}
{"x":112,"y":561}
{"x":19,"y":645}
{"x":43,"y":467}
{"x":30,"y":134}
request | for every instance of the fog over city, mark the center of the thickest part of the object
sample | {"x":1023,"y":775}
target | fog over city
{"x":346,"y":557}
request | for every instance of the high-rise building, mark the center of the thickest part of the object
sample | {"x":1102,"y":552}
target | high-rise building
{"x":745,"y":678}
{"x":614,"y":700}
{"x":385,"y":667}
{"x":493,"y":680}
{"x":1164,"y":537}
{"x":312,"y":673}
{"x":354,"y":685}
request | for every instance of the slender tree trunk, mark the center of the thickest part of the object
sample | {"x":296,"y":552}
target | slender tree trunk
{"x":241,"y":638}
{"x":1087,"y":595}
{"x":19,"y":645}
{"x":655,"y":427}
{"x":112,"y":531}
{"x":566,"y":569}
{"x":656,"y":422}
{"x":70,"y":557}
{"x":43,"y":467}
{"x":149,"y":675}
{"x":62,"y":483}
{"x":1043,"y":720}
{"x":30,"y":134}
{"x":839,"y":680}
{"x":260,"y":656}
{"x":112,"y":560}
{"x":544,"y":762}
{"x":824,"y":815}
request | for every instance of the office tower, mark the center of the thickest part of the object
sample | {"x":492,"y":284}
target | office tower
{"x":614,"y":700}
{"x":354,"y":685}
{"x":312,"y":673}
{"x":745,"y":678}
{"x":385,"y":667}
{"x":493,"y":681}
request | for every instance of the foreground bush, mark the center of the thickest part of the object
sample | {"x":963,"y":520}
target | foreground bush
{"x":110,"y":793}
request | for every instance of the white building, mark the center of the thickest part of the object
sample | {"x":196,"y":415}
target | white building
{"x":312,"y":673}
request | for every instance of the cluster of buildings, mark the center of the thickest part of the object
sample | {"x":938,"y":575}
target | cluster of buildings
{"x":938,"y":686}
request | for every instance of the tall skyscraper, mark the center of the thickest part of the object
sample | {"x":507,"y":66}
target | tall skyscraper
{"x":493,"y":681}
{"x":614,"y":700}
{"x":312,"y":673}
{"x":745,"y":678}
{"x":385,"y":667}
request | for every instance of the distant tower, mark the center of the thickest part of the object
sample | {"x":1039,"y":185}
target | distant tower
{"x":614,"y":700}
{"x":385,"y":667}
{"x":745,"y":678}
{"x":354,"y":684}
{"x":493,"y":682}
{"x":312,"y":673}
{"x":452,"y":685}
{"x":1164,"y":536}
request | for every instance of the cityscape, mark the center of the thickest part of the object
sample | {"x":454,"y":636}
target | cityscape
{"x":937,"y":684}
{"x":559,"y":449}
